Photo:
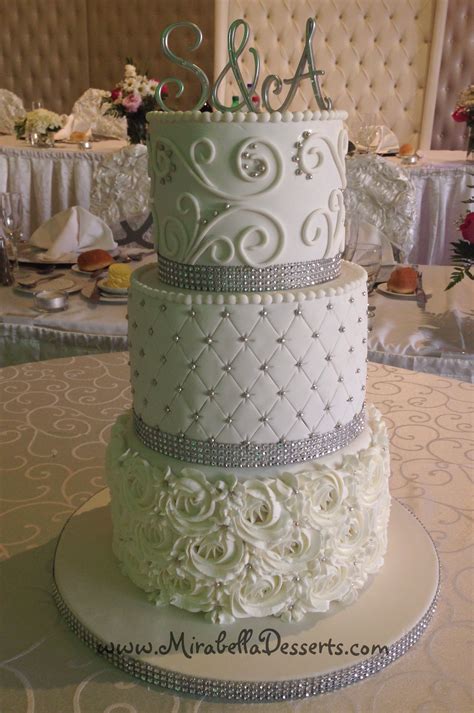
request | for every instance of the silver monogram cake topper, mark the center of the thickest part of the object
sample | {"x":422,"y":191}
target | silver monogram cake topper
{"x":272,"y":84}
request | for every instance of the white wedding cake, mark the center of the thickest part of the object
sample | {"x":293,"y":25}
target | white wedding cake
{"x":250,"y":478}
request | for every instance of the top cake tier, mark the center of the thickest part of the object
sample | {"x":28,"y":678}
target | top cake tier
{"x":247,"y":202}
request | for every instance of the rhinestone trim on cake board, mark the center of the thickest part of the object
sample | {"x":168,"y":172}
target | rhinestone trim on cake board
{"x":249,"y":691}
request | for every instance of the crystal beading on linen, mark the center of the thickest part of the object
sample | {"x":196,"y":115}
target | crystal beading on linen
{"x":239,"y":368}
{"x":282,"y":544}
{"x":228,"y":192}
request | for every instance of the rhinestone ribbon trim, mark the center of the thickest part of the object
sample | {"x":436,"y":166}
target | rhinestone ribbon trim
{"x":248,"y":455}
{"x":249,"y":691}
{"x":242,"y":278}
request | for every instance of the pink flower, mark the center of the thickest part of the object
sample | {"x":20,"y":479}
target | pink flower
{"x":467,"y":228}
{"x":132,"y":102}
{"x":460,"y":114}
{"x":116,"y":94}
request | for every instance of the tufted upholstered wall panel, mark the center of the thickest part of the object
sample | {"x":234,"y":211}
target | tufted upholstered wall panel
{"x":54,"y":50}
{"x":44,"y":50}
{"x":457,"y":72}
{"x":133,"y":28}
{"x":376,"y":53}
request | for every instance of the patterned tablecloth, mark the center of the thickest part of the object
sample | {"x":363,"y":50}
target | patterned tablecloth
{"x":55,"y":424}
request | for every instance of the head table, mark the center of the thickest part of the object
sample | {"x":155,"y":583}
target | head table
{"x":50,"y":179}
{"x":438,"y":340}
{"x":55,"y":423}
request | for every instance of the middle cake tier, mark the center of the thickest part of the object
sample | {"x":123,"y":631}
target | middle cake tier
{"x":285,"y":368}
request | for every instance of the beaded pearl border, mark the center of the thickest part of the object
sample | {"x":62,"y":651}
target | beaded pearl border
{"x":242,"y":278}
{"x":251,"y":691}
{"x":248,"y":454}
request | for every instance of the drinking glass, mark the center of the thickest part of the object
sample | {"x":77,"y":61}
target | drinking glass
{"x":369,"y":256}
{"x":352,"y":236}
{"x":11,"y":220}
{"x":38,"y":104}
{"x":363,"y":132}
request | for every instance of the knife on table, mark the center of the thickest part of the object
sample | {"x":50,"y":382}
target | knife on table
{"x":420,"y":294}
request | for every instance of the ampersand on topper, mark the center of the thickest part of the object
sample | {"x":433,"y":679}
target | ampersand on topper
{"x":246,"y":90}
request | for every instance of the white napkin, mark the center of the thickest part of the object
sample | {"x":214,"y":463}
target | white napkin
{"x":73,"y":123}
{"x":384,"y":140}
{"x":74,"y":230}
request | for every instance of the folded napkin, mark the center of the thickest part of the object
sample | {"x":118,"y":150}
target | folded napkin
{"x":73,"y":124}
{"x":74,"y":230}
{"x":383,"y":140}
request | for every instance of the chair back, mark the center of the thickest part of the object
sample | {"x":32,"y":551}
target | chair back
{"x":90,"y":110}
{"x":11,"y":108}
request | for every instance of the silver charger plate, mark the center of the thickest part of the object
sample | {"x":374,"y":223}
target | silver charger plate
{"x":110,"y":614}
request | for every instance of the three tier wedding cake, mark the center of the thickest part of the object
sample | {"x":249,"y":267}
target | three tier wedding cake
{"x":249,"y":478}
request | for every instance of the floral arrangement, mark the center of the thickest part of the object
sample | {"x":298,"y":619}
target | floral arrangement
{"x":463,"y":248}
{"x":132,"y":98}
{"x":39,"y":121}
{"x":464,"y":112}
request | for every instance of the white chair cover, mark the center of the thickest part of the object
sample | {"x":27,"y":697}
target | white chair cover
{"x":89,"y":108}
{"x":383,"y":195}
{"x":120,"y":195}
{"x":11,"y":108}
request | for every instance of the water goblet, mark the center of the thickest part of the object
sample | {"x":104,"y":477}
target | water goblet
{"x":38,"y":104}
{"x":369,"y":256}
{"x":11,"y":219}
{"x":351,"y":236}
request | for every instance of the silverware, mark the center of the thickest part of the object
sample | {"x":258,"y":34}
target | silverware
{"x":134,"y":257}
{"x":29,"y":283}
{"x":421,"y":298}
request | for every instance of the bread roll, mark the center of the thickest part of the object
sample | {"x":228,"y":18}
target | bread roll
{"x":92,"y":260}
{"x":406,"y":150}
{"x":402,"y":281}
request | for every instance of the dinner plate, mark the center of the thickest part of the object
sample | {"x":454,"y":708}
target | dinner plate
{"x":105,"y":297}
{"x":111,"y":290}
{"x":382,"y":288}
{"x":59,"y":284}
{"x":36,"y":256}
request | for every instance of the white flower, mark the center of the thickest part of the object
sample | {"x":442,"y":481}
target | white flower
{"x":330,"y":584}
{"x":218,"y":555}
{"x":186,"y":592}
{"x":260,"y":518}
{"x":41,"y":121}
{"x":259,"y":594}
{"x":192,"y":506}
{"x":294,"y":556}
{"x":322,"y":493}
{"x":130,"y":71}
{"x":141,"y":487}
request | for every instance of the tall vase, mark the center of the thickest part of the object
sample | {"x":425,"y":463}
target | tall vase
{"x":137,"y":128}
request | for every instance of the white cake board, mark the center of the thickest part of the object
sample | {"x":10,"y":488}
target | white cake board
{"x":102,"y":606}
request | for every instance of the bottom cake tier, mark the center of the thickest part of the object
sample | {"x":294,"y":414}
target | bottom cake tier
{"x":250,"y":542}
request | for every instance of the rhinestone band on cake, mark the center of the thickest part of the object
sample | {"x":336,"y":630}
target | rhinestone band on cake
{"x":249,"y":455}
{"x":243,"y":278}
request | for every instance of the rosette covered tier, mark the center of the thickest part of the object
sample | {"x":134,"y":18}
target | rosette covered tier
{"x":249,"y":479}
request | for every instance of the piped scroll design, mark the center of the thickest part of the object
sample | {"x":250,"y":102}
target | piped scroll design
{"x":193,"y":237}
{"x":310,"y":154}
{"x":257,"y":162}
{"x":325,"y":225}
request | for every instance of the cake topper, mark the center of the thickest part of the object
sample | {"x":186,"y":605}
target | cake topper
{"x":271,"y":84}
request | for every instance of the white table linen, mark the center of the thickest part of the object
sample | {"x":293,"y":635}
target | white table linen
{"x":56,"y":418}
{"x":441,"y":181}
{"x":50,"y":180}
{"x":438,"y":340}
{"x":402,"y":335}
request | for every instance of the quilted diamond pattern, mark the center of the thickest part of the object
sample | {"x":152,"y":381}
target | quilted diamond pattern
{"x":239,"y":372}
